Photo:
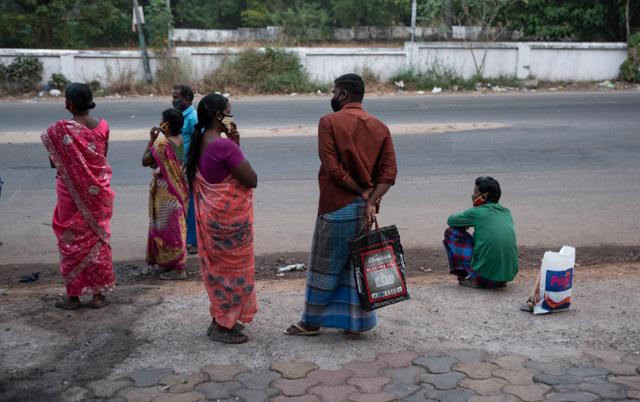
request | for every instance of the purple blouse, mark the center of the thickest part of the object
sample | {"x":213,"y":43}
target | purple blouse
{"x":217,"y":161}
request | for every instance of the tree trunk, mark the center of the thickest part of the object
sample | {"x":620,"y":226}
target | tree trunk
{"x":627,"y":17}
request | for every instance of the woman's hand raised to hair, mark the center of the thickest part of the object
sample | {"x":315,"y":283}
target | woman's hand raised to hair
{"x":153,"y":135}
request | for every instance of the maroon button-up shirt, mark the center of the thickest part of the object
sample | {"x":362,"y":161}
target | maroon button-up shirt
{"x":352,"y":143}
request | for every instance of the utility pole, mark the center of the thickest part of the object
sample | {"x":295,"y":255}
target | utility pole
{"x":414,"y":12}
{"x":143,"y":47}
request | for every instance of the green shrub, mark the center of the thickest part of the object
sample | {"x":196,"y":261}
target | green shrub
{"x":95,"y":86}
{"x":303,"y":23}
{"x":630,"y":69}
{"x":59,"y":81}
{"x":23,"y":74}
{"x":268,"y":71}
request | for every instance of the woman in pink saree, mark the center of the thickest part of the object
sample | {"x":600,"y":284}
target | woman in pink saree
{"x":81,"y":219}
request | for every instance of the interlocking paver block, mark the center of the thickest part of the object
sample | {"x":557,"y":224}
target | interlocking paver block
{"x":436,"y":365}
{"x":74,"y":394}
{"x":607,"y":391}
{"x":294,"y":387}
{"x":369,"y":385}
{"x":418,"y":397}
{"x":401,"y":391}
{"x":596,"y":380}
{"x":223,"y":373}
{"x":453,"y":395}
{"x":398,"y":359}
{"x":609,"y":356}
{"x":632,"y":359}
{"x":572,"y":397}
{"x":335,"y":393}
{"x":587,"y":371}
{"x":511,"y":361}
{"x":528,"y":393}
{"x":553,"y":368}
{"x":477,"y":371}
{"x":377,"y":397}
{"x":490,"y":386}
{"x":218,"y":390}
{"x":469,"y":355}
{"x":257,"y":379}
{"x":294,"y":370}
{"x":515,"y":376}
{"x":149,"y":377}
{"x":184,"y":382}
{"x":562,"y":379}
{"x":618,"y":368}
{"x":365,"y":368}
{"x":494,"y":398}
{"x":185,"y":397}
{"x":106,"y":388}
{"x":444,"y":381}
{"x":255,"y":395}
{"x":135,"y":394}
{"x":632,"y":382}
{"x":633,"y":394}
{"x":331,"y":377}
{"x":303,"y":398}
{"x":407,"y":375}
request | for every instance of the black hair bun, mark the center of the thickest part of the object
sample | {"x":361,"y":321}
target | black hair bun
{"x":90,"y":105}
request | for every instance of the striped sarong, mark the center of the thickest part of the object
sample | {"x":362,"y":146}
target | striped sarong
{"x":331,"y":299}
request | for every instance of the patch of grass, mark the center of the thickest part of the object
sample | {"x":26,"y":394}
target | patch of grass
{"x":170,"y":72}
{"x":270,"y":71}
{"x":446,"y":79}
{"x":434,"y":77}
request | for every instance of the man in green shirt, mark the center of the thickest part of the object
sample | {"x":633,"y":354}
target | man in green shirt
{"x":495,"y":254}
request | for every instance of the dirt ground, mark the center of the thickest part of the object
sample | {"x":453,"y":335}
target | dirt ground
{"x":153,"y":323}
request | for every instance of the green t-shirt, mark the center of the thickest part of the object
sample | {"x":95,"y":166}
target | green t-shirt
{"x":495,"y":253}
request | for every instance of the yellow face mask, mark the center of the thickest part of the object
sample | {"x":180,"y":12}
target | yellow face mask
{"x":164,"y":127}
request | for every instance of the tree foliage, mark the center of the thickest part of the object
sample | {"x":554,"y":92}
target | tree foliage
{"x":107,"y":23}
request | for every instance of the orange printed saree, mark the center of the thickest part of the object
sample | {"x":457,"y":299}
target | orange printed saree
{"x":224,"y":221}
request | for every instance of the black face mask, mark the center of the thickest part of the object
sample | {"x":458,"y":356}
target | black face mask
{"x":177,"y":104}
{"x":336,"y":103}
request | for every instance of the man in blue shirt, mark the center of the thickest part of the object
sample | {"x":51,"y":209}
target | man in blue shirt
{"x":182,"y":100}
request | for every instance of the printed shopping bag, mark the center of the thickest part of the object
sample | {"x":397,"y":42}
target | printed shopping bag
{"x":556,"y":281}
{"x":378,"y":263}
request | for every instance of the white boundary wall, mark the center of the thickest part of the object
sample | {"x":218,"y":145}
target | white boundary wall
{"x":548,"y":61}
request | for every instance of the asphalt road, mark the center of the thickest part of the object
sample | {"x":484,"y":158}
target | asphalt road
{"x":569,"y":165}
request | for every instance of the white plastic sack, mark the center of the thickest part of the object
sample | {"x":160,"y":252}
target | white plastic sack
{"x":556,"y":281}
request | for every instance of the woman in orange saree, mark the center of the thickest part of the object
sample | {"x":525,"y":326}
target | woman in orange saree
{"x":222,"y":182}
{"x":81,"y":219}
{"x":168,"y":198}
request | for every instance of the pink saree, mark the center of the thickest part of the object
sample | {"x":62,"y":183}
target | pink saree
{"x":168,"y":203}
{"x":224,"y":222}
{"x":84,"y":207}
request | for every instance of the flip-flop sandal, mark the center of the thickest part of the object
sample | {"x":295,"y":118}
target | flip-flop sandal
{"x":238,"y":327}
{"x":354,"y":336}
{"x":92,"y":304}
{"x":231,"y":337}
{"x":299,"y":330}
{"x":174,"y":275}
{"x":67,"y":305}
{"x":468,"y":283}
{"x":525,"y":307}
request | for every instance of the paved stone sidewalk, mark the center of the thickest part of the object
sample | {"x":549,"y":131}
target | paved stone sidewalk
{"x":455,"y":375}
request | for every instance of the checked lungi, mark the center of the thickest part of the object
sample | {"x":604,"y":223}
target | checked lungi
{"x":331,"y":299}
{"x":458,"y":244}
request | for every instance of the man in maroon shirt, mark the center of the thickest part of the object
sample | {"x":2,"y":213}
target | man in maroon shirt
{"x":358,"y":166}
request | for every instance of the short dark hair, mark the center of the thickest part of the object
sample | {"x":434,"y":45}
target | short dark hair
{"x":489,"y":185}
{"x":174,"y":118}
{"x":80,"y":96}
{"x":353,"y":84}
{"x":185,"y":91}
